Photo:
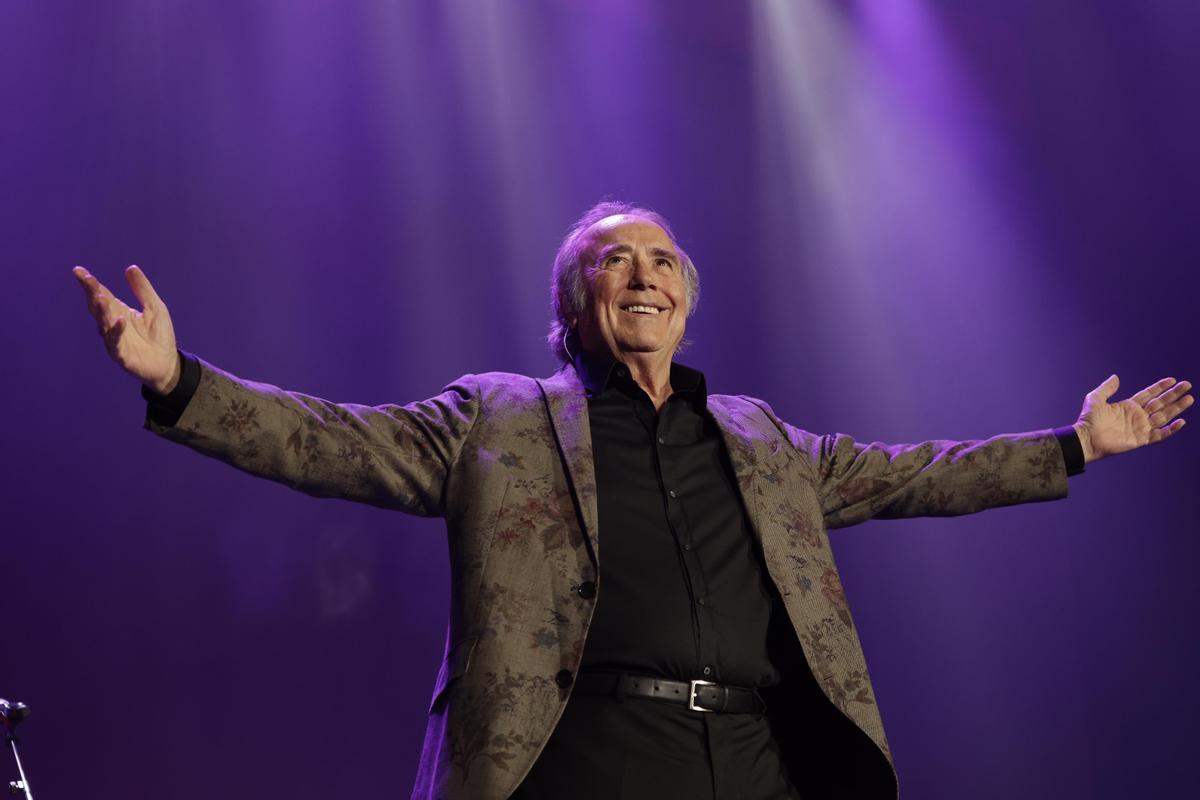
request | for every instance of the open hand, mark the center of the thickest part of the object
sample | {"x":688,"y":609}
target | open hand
{"x":1106,"y":428}
{"x":142,"y":342}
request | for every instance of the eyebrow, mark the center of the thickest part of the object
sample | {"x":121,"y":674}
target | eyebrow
{"x":657,"y":252}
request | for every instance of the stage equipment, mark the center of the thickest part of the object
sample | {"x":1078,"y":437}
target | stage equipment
{"x":11,"y":714}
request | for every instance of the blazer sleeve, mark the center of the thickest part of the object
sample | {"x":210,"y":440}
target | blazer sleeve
{"x":856,"y":482}
{"x":392,"y":456}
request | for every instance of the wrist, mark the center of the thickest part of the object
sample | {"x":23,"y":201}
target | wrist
{"x":168,"y":386}
{"x":1085,"y":441}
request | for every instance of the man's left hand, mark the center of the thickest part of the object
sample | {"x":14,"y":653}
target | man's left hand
{"x":1106,"y":429}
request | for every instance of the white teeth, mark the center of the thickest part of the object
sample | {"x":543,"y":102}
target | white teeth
{"x":642,"y":309}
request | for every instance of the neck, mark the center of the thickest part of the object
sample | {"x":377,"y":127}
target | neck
{"x":652,"y":371}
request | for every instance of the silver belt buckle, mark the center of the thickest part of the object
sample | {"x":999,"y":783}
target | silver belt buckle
{"x":692,"y":695}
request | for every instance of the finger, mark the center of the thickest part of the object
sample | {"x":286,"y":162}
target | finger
{"x":116,"y":329}
{"x":98,"y":306}
{"x":91,"y":287}
{"x":1171,"y":395}
{"x":1153,"y":390}
{"x":142,"y":289}
{"x":1169,"y":412}
{"x":107,"y":307}
{"x":102,"y":304}
{"x":1158,"y":434}
{"x":1106,"y":389}
{"x":107,"y":310}
{"x":112,"y":336}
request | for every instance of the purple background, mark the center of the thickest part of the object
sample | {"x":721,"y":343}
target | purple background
{"x":912,"y":219}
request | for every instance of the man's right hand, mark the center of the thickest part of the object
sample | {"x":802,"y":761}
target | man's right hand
{"x":143,"y":343}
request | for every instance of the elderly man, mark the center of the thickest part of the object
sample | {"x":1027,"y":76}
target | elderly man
{"x":644,"y":600}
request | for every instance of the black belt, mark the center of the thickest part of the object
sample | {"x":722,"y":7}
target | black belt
{"x":696,"y":695}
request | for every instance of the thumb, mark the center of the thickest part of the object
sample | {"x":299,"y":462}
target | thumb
{"x":1106,"y":389}
{"x":141,"y":287}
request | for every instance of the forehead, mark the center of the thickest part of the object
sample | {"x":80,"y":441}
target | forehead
{"x":628,"y":229}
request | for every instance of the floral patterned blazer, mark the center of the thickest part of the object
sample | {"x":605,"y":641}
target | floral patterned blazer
{"x":507,"y":460}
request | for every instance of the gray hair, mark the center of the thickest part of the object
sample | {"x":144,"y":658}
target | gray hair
{"x":568,"y":289}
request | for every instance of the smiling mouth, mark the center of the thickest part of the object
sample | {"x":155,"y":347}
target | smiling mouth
{"x":644,"y":310}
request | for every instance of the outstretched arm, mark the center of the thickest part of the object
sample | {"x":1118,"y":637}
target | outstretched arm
{"x":857,"y":481}
{"x":392,"y":456}
{"x":1106,"y":429}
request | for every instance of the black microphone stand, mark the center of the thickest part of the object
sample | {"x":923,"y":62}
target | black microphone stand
{"x":11,"y":714}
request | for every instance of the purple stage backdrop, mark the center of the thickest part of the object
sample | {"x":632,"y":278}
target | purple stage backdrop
{"x":912,"y":219}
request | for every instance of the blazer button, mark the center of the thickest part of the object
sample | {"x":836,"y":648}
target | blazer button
{"x":564,"y":678}
{"x":586,"y":590}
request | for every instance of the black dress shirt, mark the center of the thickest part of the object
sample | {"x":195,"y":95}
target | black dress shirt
{"x":683,"y":592}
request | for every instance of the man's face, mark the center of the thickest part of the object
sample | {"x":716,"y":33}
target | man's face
{"x":637,"y":300}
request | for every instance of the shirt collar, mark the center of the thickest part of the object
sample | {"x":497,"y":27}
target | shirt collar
{"x":598,"y":373}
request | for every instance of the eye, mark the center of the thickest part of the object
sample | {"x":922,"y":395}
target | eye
{"x":613,"y":260}
{"x":666,"y":262}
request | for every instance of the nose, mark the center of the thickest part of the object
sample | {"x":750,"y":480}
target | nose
{"x":640,"y":274}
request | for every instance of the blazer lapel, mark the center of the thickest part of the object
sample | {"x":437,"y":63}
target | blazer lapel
{"x":567,"y":405}
{"x":740,"y":441}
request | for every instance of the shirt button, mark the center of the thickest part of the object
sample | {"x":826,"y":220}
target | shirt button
{"x":661,"y":440}
{"x":586,"y":590}
{"x":687,"y":546}
{"x":707,"y":671}
{"x":564,"y":678}
{"x":620,"y":372}
{"x":671,"y":493}
{"x":703,"y":601}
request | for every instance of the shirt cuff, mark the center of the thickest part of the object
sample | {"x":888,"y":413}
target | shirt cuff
{"x":1072,"y":450}
{"x":166,"y":409}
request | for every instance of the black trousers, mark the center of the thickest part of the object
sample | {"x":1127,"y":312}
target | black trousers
{"x":642,"y":749}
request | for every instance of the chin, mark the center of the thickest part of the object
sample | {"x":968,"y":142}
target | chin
{"x":639,"y":345}
{"x":644,"y":349}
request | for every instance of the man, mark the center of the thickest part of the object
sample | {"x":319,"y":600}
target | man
{"x":644,"y":600}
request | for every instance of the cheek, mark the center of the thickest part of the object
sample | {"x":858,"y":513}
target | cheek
{"x":603,"y":290}
{"x":680,"y":300}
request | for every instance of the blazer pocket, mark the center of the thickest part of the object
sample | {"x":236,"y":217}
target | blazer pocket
{"x":457,"y":659}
